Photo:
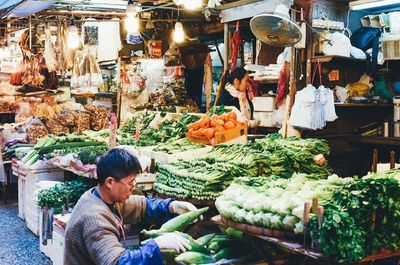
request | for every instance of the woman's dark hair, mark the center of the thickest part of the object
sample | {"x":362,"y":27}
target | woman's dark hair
{"x":238,"y":73}
{"x":118,"y":164}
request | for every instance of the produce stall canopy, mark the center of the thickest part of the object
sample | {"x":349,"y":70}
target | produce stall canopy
{"x":26,"y":8}
{"x":4,"y":4}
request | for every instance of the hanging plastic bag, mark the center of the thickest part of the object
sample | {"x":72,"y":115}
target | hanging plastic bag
{"x":301,"y":114}
{"x":328,"y":103}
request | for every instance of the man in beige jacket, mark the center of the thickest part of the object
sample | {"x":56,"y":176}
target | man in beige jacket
{"x":96,"y":234}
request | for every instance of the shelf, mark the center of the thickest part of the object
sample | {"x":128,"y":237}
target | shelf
{"x":383,"y":105}
{"x":298,"y":248}
{"x":329,"y":58}
{"x":269,"y":81}
{"x":375,"y":140}
{"x":209,"y":203}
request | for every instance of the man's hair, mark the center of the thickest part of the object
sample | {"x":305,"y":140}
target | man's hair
{"x":118,"y":164}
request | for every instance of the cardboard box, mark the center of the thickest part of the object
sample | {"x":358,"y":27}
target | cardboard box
{"x":221,"y":137}
{"x":266,"y":118}
{"x":264,"y":103}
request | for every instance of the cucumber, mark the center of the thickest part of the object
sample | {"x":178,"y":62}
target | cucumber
{"x":204,"y":240}
{"x":176,"y":224}
{"x":229,"y":253}
{"x":217,"y":245}
{"x":191,"y":257}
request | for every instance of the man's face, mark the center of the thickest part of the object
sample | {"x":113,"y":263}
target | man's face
{"x":121,"y":189}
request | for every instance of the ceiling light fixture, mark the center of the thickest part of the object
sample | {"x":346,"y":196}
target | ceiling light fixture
{"x":132,"y":20}
{"x":367,"y":4}
{"x":178,"y":34}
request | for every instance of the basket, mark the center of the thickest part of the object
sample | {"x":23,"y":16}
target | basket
{"x":358,"y":89}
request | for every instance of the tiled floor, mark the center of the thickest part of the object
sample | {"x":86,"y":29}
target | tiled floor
{"x":17,"y":244}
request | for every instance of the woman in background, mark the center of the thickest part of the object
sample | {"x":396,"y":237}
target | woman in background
{"x":235,"y":93}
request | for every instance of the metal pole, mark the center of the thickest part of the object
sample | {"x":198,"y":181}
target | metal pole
{"x":226,"y":43}
{"x":30,"y":32}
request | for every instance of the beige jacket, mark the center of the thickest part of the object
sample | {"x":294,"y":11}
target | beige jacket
{"x":92,"y":234}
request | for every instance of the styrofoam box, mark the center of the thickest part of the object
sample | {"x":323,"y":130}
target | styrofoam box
{"x":264,"y":103}
{"x":21,"y":197}
{"x":265,"y":117}
{"x":164,"y":158}
{"x":31,"y":211}
{"x":57,"y":249}
{"x":45,"y":249}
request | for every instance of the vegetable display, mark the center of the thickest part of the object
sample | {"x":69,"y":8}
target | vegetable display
{"x":207,"y":177}
{"x":167,"y":131}
{"x":209,"y":248}
{"x":58,"y":195}
{"x":362,"y":218}
{"x":180,"y":145}
{"x":209,"y":126}
{"x":50,"y":146}
{"x":274,"y":202}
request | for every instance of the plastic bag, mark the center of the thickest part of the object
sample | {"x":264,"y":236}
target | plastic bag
{"x":35,"y":130}
{"x":328,"y":103}
{"x":172,"y":57}
{"x":339,"y":44}
{"x":24,"y":112}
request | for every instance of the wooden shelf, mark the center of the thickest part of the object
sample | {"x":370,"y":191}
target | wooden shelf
{"x":375,"y":140}
{"x":269,"y":81}
{"x":383,"y":105}
{"x":298,"y":248}
{"x":329,"y":58}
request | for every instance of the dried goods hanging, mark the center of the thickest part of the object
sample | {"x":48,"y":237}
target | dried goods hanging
{"x":49,"y":51}
{"x":86,"y":71}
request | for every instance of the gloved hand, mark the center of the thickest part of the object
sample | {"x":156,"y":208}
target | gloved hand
{"x":173,"y":241}
{"x":181,"y":207}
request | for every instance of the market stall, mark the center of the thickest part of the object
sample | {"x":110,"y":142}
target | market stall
{"x":149,"y":77}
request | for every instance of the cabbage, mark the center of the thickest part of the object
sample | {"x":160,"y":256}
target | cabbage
{"x":289,"y":222}
{"x":276,"y":222}
{"x":299,"y":228}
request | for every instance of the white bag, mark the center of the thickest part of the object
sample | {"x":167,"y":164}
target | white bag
{"x":301,"y":114}
{"x":328,"y":102}
{"x":339,"y":44}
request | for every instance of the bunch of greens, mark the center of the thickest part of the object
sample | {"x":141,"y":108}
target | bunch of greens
{"x":169,"y":130}
{"x":217,"y":110}
{"x":177,"y":146}
{"x":57,"y":196}
{"x":362,"y":218}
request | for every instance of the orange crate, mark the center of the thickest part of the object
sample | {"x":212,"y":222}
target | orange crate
{"x":220,"y":137}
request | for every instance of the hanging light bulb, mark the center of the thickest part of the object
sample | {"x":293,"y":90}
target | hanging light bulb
{"x":178,"y":34}
{"x":73,"y":36}
{"x":193,"y":4}
{"x":132,"y":20}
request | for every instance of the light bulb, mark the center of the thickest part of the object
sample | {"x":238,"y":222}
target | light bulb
{"x":73,"y":37}
{"x":132,"y":23}
{"x":193,"y":4}
{"x":178,"y":34}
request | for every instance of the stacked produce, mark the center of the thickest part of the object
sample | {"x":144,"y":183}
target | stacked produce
{"x":207,"y":177}
{"x":57,"y":196}
{"x":362,"y":218}
{"x":206,"y":249}
{"x":167,"y":131}
{"x":51,"y":146}
{"x":274,"y":202}
{"x":195,"y":179}
{"x":180,"y":145}
{"x":209,"y":126}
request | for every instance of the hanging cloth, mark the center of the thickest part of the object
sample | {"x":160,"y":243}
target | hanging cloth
{"x":283,"y":84}
{"x":235,"y":44}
